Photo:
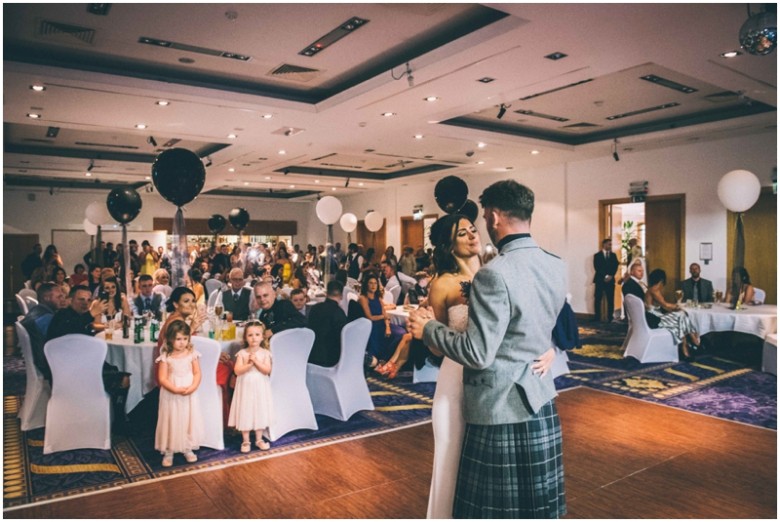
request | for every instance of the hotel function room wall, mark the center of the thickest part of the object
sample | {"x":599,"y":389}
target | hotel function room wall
{"x":567,"y":198}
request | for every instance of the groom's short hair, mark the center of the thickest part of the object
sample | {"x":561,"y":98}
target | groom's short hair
{"x":510,"y":197}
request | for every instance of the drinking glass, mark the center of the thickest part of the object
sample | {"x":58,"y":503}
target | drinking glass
{"x":218,"y":309}
{"x":679,"y":294}
{"x":109,"y":332}
{"x":718,"y":296}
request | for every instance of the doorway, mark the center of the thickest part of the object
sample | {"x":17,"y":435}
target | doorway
{"x":414,"y":233}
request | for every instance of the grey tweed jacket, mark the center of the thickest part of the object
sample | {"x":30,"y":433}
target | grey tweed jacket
{"x":514,"y":302}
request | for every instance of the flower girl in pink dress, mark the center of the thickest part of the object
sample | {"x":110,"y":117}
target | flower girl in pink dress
{"x":179,"y":422}
{"x":252,"y":408}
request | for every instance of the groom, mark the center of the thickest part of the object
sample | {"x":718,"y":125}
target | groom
{"x":511,"y":462}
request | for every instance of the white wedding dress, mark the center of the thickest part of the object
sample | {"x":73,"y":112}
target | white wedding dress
{"x":448,"y":425}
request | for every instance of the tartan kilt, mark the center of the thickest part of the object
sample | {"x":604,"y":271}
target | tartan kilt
{"x":512,"y":470}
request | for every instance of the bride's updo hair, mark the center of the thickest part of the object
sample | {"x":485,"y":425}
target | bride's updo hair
{"x":442,"y":235}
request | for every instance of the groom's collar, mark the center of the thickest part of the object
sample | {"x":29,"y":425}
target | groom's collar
{"x":509,"y":238}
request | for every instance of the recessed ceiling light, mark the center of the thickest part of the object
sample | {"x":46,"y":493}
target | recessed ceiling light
{"x":33,"y":115}
{"x":162,"y":103}
{"x":231,"y":169}
{"x":147,"y":178}
{"x":431,"y":98}
{"x":88,"y":174}
{"x":267,"y":116}
{"x":556,"y":56}
{"x":418,"y":136}
{"x":480,"y":162}
{"x":388,"y":114}
{"x":535,"y":152}
{"x":316,"y":181}
{"x":360,"y":184}
{"x":246,"y":183}
{"x":481,"y":145}
{"x":730,"y":54}
{"x":433,"y":121}
{"x":333,"y":189}
{"x":140,"y":126}
{"x":282,"y":152}
{"x":292,"y":186}
{"x":37,"y":88}
{"x":268,"y":177}
{"x":232,"y":136}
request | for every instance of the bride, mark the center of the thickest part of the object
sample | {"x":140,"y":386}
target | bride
{"x":456,"y":260}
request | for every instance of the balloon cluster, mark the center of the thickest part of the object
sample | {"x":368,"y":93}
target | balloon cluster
{"x":452,"y":194}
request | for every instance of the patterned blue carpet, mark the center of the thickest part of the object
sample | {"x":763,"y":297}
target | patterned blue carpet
{"x":714,"y":384}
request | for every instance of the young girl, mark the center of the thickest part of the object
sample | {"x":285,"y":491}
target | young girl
{"x":252,"y":409}
{"x":179,"y":423}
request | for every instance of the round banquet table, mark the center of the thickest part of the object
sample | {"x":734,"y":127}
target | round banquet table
{"x":399,"y":316}
{"x":758,"y":320}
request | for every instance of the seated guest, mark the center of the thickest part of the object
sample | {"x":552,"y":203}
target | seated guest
{"x":79,"y":276}
{"x":38,"y":277}
{"x":740,"y":287}
{"x":298,"y":298}
{"x":81,"y":318}
{"x":162,"y":282}
{"x":300,"y":279}
{"x":117,"y":301}
{"x":59,"y":276}
{"x":636,"y":287}
{"x":277,"y":315}
{"x":395,"y":279}
{"x":146,"y":300}
{"x":194,"y":283}
{"x":37,"y":321}
{"x":327,"y":319}
{"x":697,"y":288}
{"x":93,"y":279}
{"x":671,"y":316}
{"x":236,"y":298}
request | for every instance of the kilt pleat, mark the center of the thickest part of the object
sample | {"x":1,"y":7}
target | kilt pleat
{"x":512,"y":470}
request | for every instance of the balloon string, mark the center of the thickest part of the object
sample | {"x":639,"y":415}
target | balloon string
{"x":179,"y":256}
{"x":97,"y":257}
{"x":129,"y":289}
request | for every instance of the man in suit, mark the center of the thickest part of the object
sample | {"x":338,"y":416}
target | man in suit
{"x":697,"y":288}
{"x":511,"y":462}
{"x":327,"y":319}
{"x":605,"y":263}
{"x":51,"y":298}
{"x":636,"y":287}
{"x":236,"y":298}
{"x":277,"y":314}
{"x":298,"y":299}
{"x":146,"y":299}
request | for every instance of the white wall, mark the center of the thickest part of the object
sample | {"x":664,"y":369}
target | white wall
{"x":566,"y":217}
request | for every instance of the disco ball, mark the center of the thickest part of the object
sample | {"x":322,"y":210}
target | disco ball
{"x":758,"y":34}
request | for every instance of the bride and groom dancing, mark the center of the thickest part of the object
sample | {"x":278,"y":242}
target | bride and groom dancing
{"x":498,"y":450}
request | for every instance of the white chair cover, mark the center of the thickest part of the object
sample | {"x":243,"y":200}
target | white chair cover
{"x":351,"y":283}
{"x":165,"y":290}
{"x":79,"y":414}
{"x":27,"y":292}
{"x":769,"y":357}
{"x":759,"y":296}
{"x":28,"y":284}
{"x":37,"y":391}
{"x":346,"y":297}
{"x":31,"y":302}
{"x":212,"y":284}
{"x":22,"y":304}
{"x":292,"y":403}
{"x":643,"y":343}
{"x":214,"y":298}
{"x":341,"y":391}
{"x":209,"y":394}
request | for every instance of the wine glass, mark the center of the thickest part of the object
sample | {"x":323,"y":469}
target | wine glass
{"x":718,"y":296}
{"x":679,"y":295}
{"x":218,"y":309}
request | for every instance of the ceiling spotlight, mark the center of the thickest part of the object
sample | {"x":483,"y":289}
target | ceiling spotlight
{"x":268,"y":177}
{"x":730,"y":54}
{"x":360,"y":184}
{"x":147,"y":178}
{"x":231,"y":169}
{"x":615,"y":151}
{"x":208,"y":161}
{"x":38,"y":88}
{"x":162,"y":103}
{"x":232,"y":136}
{"x":333,"y":189}
{"x":481,"y":145}
{"x":346,"y":185}
{"x":316,"y":181}
{"x":418,"y":136}
{"x":292,"y":186}
{"x":480,"y":162}
{"x":151,"y":141}
{"x":388,"y":114}
{"x":431,"y":98}
{"x":267,"y":116}
{"x":289,"y":132}
{"x":33,"y":115}
{"x":502,"y":110}
{"x":246,"y":183}
{"x":535,"y":152}
{"x":140,"y":126}
{"x":282,"y":152}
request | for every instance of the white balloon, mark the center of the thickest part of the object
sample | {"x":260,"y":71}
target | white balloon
{"x":97,"y":213}
{"x":329,"y":210}
{"x":374,"y":221}
{"x":739,"y":190}
{"x":348,"y":222}
{"x":89,"y":227}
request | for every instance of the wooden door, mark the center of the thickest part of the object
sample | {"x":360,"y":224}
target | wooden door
{"x":376,"y":240}
{"x":665,"y":233}
{"x":413,"y":232}
{"x":760,"y":225}
{"x":15,"y":249}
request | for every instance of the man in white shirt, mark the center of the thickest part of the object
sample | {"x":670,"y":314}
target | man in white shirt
{"x":395,"y":279}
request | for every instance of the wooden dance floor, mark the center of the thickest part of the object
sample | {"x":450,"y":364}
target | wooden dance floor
{"x":624,"y":458}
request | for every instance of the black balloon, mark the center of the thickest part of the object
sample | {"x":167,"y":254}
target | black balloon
{"x":123,"y":204}
{"x":470,"y":210}
{"x":217,"y":224}
{"x":178,"y":175}
{"x":239,"y":218}
{"x":451,"y":193}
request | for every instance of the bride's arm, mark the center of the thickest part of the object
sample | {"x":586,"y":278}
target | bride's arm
{"x":437,"y":300}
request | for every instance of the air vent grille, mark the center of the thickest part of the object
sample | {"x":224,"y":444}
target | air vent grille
{"x":49,"y":29}
{"x":295,"y":73}
{"x":106,"y":145}
{"x":580,"y":126}
{"x":722,"y":97}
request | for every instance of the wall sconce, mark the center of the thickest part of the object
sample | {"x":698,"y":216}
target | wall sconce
{"x":705,"y":252}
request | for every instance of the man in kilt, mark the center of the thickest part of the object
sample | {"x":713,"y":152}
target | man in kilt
{"x":511,"y":463}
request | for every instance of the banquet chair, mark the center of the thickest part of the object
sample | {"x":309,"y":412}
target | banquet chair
{"x":293,"y":409}
{"x":341,"y":391}
{"x":165,"y":290}
{"x":759,"y":296}
{"x":31,"y":302}
{"x":22,"y":304}
{"x":37,"y":391}
{"x":212,"y":284}
{"x":351,"y":283}
{"x":214,"y":298}
{"x":643,"y":343}
{"x":27,"y":292}
{"x":209,"y":394}
{"x":79,"y":413}
{"x":346,"y":297}
{"x":769,"y":355}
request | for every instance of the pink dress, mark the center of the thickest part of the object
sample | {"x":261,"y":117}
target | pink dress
{"x":252,"y":408}
{"x":179,"y":421}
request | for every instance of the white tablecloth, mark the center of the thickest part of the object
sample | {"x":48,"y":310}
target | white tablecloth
{"x":136,"y":359}
{"x":756,"y":320}
{"x":399,"y":316}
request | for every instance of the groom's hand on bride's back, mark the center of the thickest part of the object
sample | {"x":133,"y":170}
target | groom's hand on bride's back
{"x":418,"y":319}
